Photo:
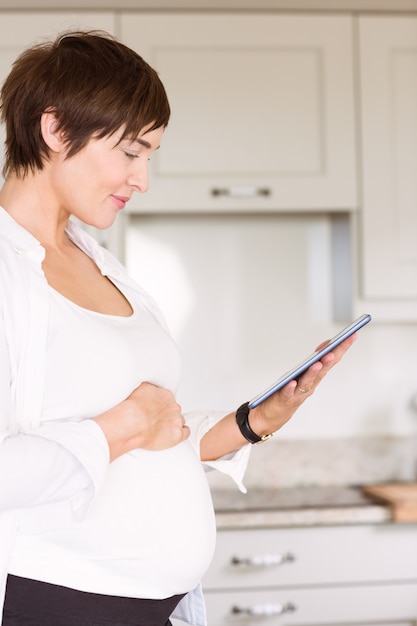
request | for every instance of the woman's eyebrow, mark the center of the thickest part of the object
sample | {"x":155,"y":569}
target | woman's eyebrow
{"x":144,"y":143}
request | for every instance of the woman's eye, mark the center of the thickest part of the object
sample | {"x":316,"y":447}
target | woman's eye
{"x":133,"y":155}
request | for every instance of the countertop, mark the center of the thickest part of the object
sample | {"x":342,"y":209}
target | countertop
{"x":296,"y":506}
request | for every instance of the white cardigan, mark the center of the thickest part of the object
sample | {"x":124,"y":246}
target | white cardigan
{"x":25,"y":445}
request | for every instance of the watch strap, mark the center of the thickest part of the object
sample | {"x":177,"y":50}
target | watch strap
{"x":242,"y":420}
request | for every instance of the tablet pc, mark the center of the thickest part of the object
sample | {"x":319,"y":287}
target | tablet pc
{"x":316,"y":356}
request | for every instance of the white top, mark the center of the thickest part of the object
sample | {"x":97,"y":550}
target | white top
{"x":154,"y":510}
{"x":53,"y":461}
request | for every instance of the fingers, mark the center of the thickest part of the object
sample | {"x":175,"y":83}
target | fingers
{"x":153,"y":419}
{"x":337,"y":353}
{"x":272,"y":414}
{"x":309,"y":381}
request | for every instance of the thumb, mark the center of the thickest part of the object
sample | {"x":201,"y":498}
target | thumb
{"x":185,"y":432}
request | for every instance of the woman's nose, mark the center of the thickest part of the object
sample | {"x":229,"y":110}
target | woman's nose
{"x":139,"y":177}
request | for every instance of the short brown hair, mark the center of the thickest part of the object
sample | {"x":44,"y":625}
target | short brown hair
{"x":94,"y":85}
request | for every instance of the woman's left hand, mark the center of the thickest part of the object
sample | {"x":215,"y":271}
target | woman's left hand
{"x":274,"y":412}
{"x":225,"y":437}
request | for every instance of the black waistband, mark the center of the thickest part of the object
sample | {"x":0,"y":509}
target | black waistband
{"x":54,"y":605}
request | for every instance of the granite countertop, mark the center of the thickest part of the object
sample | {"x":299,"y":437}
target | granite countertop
{"x":336,"y":470}
{"x":296,"y":506}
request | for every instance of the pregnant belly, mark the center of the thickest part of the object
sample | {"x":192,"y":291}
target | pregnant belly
{"x":150,"y":531}
{"x":155,"y":514}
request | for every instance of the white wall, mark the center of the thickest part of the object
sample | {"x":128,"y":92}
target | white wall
{"x":247,"y":297}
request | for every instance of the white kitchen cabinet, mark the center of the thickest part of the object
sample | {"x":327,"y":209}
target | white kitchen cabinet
{"x":365,"y":606}
{"x":388,"y":224}
{"x":262,"y":111}
{"x":359,"y":575}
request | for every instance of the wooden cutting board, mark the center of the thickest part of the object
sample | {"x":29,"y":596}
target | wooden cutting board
{"x":400,"y":497}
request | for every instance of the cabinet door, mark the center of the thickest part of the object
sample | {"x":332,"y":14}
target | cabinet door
{"x":262,"y":110}
{"x":319,"y":556}
{"x":388,"y":61}
{"x":373,"y":605}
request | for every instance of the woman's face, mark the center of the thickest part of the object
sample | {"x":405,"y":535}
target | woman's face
{"x":96,"y":183}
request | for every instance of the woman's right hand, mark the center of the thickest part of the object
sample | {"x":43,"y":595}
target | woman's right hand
{"x":149,"y":418}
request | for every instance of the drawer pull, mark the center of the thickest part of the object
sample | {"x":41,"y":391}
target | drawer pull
{"x":263,"y":560}
{"x":264,"y":609}
{"x":241,"y":192}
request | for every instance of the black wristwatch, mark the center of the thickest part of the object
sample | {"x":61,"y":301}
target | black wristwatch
{"x":242,"y":415}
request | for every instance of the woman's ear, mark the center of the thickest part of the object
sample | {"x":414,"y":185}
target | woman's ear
{"x":52,"y":135}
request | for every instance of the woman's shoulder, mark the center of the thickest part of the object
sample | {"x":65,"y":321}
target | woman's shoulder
{"x":13,"y":237}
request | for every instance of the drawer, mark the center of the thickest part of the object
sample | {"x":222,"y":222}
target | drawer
{"x":393,"y":605}
{"x":319,"y":555}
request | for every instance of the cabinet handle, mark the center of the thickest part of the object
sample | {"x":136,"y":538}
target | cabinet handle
{"x":241,"y":191}
{"x":263,"y":560}
{"x":264,"y":609}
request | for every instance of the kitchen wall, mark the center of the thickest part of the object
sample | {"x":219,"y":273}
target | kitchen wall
{"x":249,"y":295}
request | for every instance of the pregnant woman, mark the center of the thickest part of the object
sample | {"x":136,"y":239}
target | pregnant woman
{"x":105,"y":512}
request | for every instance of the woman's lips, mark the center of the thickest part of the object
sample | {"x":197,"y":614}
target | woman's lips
{"x":120,"y":201}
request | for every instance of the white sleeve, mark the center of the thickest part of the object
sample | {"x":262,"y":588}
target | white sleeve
{"x":58,"y":461}
{"x":37,"y":468}
{"x":234,"y":464}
